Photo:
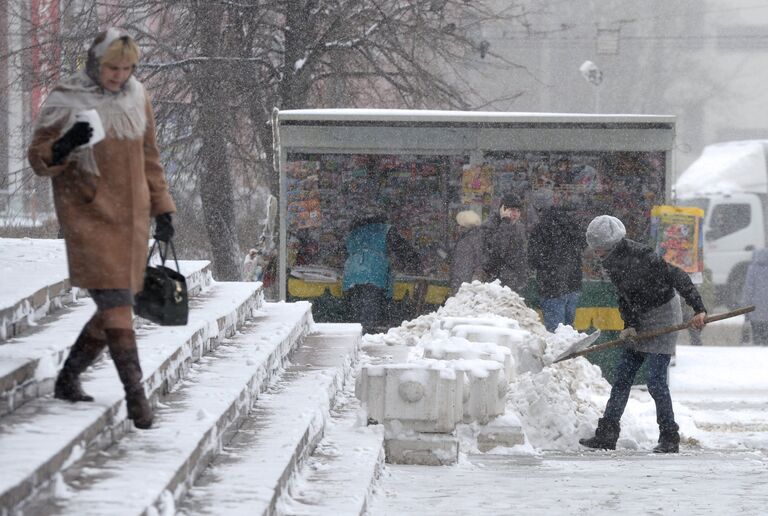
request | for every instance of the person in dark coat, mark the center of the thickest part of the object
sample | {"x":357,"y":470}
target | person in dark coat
{"x":505,"y":244}
{"x":554,"y":252}
{"x":756,"y":293}
{"x":373,"y":247}
{"x":645,"y":285}
{"x":468,"y":252}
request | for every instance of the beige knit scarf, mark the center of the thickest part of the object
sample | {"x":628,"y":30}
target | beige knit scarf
{"x":122,"y":114}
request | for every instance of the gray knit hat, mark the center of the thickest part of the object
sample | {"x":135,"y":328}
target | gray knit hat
{"x":604,"y":232}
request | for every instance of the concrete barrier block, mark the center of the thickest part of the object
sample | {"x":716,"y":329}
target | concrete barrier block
{"x":424,"y":396}
{"x":422,"y":450}
{"x":485,"y":388}
{"x":505,"y":432}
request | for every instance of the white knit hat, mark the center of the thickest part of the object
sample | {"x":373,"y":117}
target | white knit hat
{"x":604,"y":232}
{"x":467,"y":219}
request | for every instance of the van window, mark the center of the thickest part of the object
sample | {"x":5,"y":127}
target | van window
{"x":727,"y":219}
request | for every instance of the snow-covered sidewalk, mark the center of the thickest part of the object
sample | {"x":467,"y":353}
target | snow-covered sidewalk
{"x":721,"y":401}
{"x":700,"y":483}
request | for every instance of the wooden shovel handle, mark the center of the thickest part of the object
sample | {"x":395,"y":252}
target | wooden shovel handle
{"x":662,"y":331}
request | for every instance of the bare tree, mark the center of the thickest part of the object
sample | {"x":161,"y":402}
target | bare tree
{"x":216,"y":69}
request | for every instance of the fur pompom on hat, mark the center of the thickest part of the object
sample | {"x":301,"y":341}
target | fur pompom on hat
{"x":604,"y":232}
{"x":468,"y":219}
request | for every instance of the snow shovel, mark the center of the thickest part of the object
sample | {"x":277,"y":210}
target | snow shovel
{"x":583,"y":346}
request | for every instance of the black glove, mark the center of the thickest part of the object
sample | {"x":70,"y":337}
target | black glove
{"x":163,"y":227}
{"x":77,"y":135}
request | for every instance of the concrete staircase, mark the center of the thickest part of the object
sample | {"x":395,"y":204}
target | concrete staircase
{"x":30,"y":360}
{"x":246,"y":384}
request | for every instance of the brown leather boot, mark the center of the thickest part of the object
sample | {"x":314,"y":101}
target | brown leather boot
{"x":84,"y":352}
{"x":122,"y":347}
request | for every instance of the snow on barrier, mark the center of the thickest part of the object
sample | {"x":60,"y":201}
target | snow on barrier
{"x":525,"y":347}
{"x":497,"y":321}
{"x":459,"y":348}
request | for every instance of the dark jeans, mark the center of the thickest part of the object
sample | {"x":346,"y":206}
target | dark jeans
{"x":367,"y":305}
{"x":559,"y":310}
{"x":629,"y":363}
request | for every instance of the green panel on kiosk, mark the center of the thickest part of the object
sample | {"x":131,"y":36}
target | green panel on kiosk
{"x":607,"y":360}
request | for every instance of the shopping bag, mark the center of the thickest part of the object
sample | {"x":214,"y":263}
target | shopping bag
{"x":164,"y":299}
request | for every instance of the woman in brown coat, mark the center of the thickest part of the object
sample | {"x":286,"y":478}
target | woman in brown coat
{"x":105,"y":194}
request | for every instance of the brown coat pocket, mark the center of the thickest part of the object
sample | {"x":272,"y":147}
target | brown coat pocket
{"x":75,"y":187}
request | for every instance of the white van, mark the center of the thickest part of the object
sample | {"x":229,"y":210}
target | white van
{"x":729,"y":183}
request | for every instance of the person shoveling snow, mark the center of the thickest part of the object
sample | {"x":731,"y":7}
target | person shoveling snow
{"x":646,"y":287}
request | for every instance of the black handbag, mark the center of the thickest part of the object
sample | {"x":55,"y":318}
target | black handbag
{"x":164,"y":299}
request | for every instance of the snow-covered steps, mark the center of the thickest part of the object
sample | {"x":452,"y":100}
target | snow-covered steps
{"x":257,"y":466}
{"x":29,"y":363}
{"x":63,"y":430}
{"x":338,"y":478}
{"x":192,"y":424}
{"x":35,"y":282}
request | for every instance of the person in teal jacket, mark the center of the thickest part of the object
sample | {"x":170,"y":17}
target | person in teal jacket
{"x":372,"y":245}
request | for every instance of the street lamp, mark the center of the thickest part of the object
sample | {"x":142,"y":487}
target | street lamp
{"x":594,"y":76}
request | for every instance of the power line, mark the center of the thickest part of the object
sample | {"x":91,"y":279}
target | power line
{"x":568,"y":26}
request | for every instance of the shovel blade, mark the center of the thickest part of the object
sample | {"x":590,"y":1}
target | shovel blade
{"x":579,"y":345}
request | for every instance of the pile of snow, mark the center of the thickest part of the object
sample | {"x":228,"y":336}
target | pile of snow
{"x":559,"y":404}
{"x":481,"y":300}
{"x":556,"y":403}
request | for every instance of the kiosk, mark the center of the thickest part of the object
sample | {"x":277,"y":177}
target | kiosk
{"x":422,"y":167}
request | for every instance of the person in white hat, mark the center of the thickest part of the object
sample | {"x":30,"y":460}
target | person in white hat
{"x":645,"y":286}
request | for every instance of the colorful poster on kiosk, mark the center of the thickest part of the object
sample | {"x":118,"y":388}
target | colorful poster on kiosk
{"x":676,"y":236}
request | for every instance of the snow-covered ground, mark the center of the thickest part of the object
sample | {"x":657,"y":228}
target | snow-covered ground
{"x":720,"y":396}
{"x":721,"y":403}
{"x":27,"y":265}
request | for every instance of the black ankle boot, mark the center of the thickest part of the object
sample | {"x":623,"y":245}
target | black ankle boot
{"x":669,"y":440}
{"x":606,"y":435}
{"x":83,"y":353}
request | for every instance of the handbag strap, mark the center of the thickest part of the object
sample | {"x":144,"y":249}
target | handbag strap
{"x":163,"y":253}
